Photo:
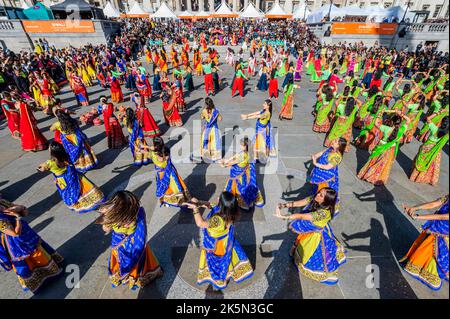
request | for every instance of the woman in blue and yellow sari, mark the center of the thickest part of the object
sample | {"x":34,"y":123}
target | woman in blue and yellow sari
{"x":325,"y":173}
{"x":75,"y":142}
{"x":211,"y":149}
{"x":76,"y":190}
{"x":170,"y":187}
{"x":263,"y":142}
{"x":242,"y":182}
{"x":23,"y":251}
{"x":222,"y":257}
{"x":427,"y":259}
{"x":136,"y":141}
{"x":132,"y":262}
{"x":317,"y":252}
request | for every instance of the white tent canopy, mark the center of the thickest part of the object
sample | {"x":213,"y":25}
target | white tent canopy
{"x":136,"y":9}
{"x":353,"y":10}
{"x":322,"y":12}
{"x":301,"y":12}
{"x":110,"y":11}
{"x":164,"y":12}
{"x":251,"y":12}
{"x":147,"y":6}
{"x":223,"y":9}
{"x":186,"y":14}
{"x":277,"y":11}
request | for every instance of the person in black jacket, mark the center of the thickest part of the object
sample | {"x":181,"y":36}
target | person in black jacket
{"x":21,"y":82}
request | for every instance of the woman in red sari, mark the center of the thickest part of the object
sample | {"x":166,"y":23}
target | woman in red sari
{"x":143,"y":86}
{"x":32,"y":139}
{"x":168,"y":97}
{"x":78,"y":89}
{"x":116,"y":90}
{"x":145,"y":118}
{"x":114,"y":132}
{"x":12,"y":114}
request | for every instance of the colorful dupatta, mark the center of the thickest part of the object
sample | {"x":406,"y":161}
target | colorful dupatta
{"x":425,"y":159}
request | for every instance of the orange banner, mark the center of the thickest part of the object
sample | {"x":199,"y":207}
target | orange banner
{"x":58,"y":26}
{"x":363,"y":28}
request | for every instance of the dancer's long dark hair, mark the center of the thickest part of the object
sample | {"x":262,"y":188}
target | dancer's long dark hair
{"x":329,"y":201}
{"x":58,"y":153}
{"x":68,"y":124}
{"x":130,"y":116}
{"x":228,"y":207}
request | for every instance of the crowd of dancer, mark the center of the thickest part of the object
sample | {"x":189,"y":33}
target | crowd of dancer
{"x":384,"y":93}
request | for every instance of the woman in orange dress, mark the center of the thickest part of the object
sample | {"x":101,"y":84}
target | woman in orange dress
{"x":427,"y":259}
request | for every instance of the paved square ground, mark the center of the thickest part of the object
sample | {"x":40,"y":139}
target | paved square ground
{"x":374,"y":229}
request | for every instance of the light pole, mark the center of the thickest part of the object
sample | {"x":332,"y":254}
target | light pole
{"x":406,"y":11}
{"x":329,"y":11}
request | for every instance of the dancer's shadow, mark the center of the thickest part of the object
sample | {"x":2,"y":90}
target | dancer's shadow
{"x":405,"y":162}
{"x":108,"y":156}
{"x":362,"y":156}
{"x":39,"y":227}
{"x":15,"y":190}
{"x":81,"y":250}
{"x":390,"y":283}
{"x":97,"y":138}
{"x":282,"y":275}
{"x":299,"y":193}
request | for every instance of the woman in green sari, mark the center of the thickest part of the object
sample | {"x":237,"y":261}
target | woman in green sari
{"x":323,"y":110}
{"x":435,"y":118}
{"x":370,"y":135}
{"x":365,"y":108}
{"x":378,"y":167}
{"x":287,"y":109}
{"x":414,"y":112}
{"x":345,"y":115}
{"x":427,"y":163}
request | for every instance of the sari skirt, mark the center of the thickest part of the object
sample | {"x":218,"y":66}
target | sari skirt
{"x":261,"y":150}
{"x":239,"y":268}
{"x":262,"y":83}
{"x":273,"y":88}
{"x":34,"y":270}
{"x":431,"y":175}
{"x":318,"y":255}
{"x":116,"y":96}
{"x":82,"y":98}
{"x":378,"y":169}
{"x":422,"y":259}
{"x":87,"y":159}
{"x":211,"y":151}
{"x":141,"y":156}
{"x":287,"y":111}
{"x":144,"y":272}
{"x":116,"y":138}
{"x":174,"y":195}
{"x":90,"y":197}
{"x":322,"y":128}
{"x":243,"y":181}
{"x":172,"y":117}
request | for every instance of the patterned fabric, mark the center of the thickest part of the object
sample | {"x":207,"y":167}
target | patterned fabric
{"x":318,"y":254}
{"x":222,"y":257}
{"x":131,"y":260}
{"x":211,"y":139}
{"x":263,"y":141}
{"x":242,"y":184}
